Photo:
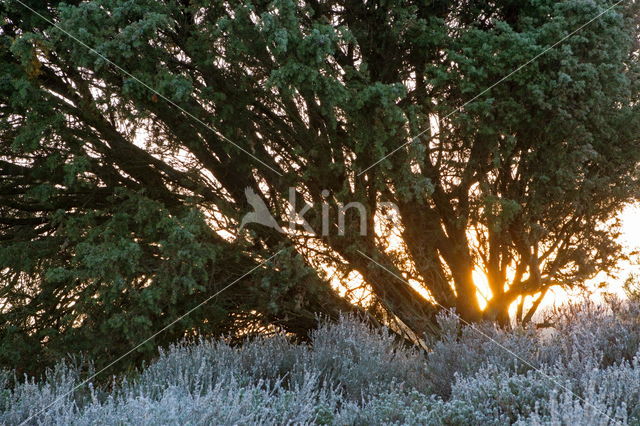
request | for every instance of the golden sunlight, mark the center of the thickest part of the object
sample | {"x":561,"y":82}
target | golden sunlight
{"x":602,"y":284}
{"x":598,"y":287}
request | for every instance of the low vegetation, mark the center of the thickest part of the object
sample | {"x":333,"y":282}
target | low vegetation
{"x":584,"y":369}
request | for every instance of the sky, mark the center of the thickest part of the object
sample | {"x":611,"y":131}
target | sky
{"x":631,"y":241}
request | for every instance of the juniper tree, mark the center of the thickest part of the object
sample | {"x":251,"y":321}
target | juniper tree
{"x":131,"y":130}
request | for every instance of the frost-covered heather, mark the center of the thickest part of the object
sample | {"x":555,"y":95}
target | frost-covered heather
{"x":587,"y":371}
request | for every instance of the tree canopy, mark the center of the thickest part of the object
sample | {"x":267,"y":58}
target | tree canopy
{"x":131,"y":129}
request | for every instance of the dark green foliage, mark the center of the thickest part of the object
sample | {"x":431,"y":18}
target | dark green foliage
{"x":119,"y":204}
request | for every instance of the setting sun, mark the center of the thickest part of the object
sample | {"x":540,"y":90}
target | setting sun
{"x":319,"y":212}
{"x":597,"y":287}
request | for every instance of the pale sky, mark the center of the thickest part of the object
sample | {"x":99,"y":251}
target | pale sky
{"x":631,"y":240}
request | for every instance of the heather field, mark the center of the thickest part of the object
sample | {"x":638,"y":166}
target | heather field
{"x":583,"y":370}
{"x":338,"y":212}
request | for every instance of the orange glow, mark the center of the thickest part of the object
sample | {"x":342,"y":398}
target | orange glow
{"x":598,"y":287}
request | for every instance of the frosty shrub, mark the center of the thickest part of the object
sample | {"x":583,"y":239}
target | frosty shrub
{"x":464,"y":350}
{"x":586,"y":370}
{"x":364,"y":360}
{"x":589,"y":333}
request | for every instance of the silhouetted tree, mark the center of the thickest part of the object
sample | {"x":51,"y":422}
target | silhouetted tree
{"x":120,"y":202}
